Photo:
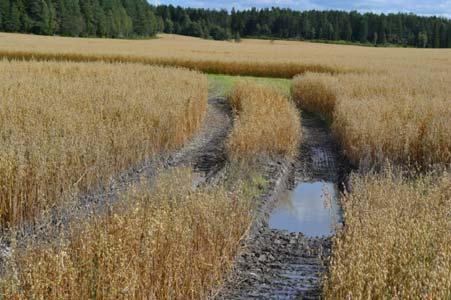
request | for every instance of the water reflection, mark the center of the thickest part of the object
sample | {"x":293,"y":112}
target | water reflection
{"x":311,"y":208}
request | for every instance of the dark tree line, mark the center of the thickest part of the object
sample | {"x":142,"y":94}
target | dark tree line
{"x":369,"y":28}
{"x":104,"y":18}
{"x":136,"y":18}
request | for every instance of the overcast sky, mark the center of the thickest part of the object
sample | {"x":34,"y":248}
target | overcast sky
{"x":422,"y":7}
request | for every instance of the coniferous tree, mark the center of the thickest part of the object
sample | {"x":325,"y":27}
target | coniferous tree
{"x":35,"y":12}
{"x":363,"y":30}
{"x":443,"y":36}
{"x":13,"y":18}
{"x":4,"y":9}
{"x":168,"y":26}
{"x":348,"y":31}
{"x":87,"y":8}
{"x":236,"y":22}
{"x":130,"y":18}
{"x":108,"y":18}
{"x":49,"y":23}
{"x":100,"y":19}
{"x":71,"y":20}
{"x":381,"y":33}
{"x":448,"y":44}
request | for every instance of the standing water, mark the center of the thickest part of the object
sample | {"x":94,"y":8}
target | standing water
{"x":310,"y":208}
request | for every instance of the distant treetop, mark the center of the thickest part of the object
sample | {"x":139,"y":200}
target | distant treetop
{"x":339,"y":26}
{"x":137,"y":18}
{"x":102,"y":18}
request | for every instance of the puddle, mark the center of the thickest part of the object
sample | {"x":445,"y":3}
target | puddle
{"x":310,"y":208}
{"x":197,"y":179}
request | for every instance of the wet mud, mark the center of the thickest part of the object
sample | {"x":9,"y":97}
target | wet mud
{"x":288,"y":261}
{"x":277,"y":261}
{"x":204,"y":153}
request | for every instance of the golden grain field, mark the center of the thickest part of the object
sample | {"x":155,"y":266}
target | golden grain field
{"x":316,"y":92}
{"x":401,"y":116}
{"x":67,"y":127}
{"x":409,"y":87}
{"x":180,"y":52}
{"x":166,"y":242}
{"x":266,"y":122}
{"x":396,"y":243}
{"x":248,"y":51}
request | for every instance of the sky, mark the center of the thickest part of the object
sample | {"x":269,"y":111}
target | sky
{"x":420,"y":7}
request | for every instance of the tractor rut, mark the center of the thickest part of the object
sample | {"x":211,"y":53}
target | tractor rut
{"x":289,"y":263}
{"x":204,"y":153}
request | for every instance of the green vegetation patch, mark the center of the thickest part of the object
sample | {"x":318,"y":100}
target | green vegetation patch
{"x":221,"y":85}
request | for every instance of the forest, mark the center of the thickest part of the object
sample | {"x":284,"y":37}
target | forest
{"x":88,"y":18}
{"x":276,"y":23}
{"x":137,"y":18}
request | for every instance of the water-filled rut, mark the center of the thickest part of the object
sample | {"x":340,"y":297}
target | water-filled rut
{"x":310,"y":208}
{"x":283,"y":257}
{"x":285,"y":254}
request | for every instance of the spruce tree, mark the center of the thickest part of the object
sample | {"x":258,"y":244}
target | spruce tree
{"x":35,"y":13}
{"x":87,"y":9}
{"x":4,"y":8}
{"x":71,"y":22}
{"x":127,"y":18}
{"x":436,"y":36}
{"x":12,"y":19}
{"x":100,"y":19}
{"x":49,"y":22}
{"x":448,"y":44}
{"x":382,"y":37}
{"x":363,"y":31}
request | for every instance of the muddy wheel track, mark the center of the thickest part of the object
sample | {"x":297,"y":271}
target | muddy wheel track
{"x":276,"y":264}
{"x":204,"y":153}
{"x":320,"y":155}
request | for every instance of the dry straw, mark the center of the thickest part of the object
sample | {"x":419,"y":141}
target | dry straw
{"x":67,"y":127}
{"x":266,"y":122}
{"x":400,"y":117}
{"x":67,"y":123}
{"x":246,"y":58}
{"x":403,"y":117}
{"x":281,"y":70}
{"x":396,"y":240}
{"x":316,"y":92}
{"x":167,"y":242}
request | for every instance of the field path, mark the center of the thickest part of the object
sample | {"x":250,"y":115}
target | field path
{"x":204,"y":153}
{"x":277,"y":264}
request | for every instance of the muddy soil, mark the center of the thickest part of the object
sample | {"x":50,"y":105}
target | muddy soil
{"x":277,"y":264}
{"x":204,"y":153}
{"x":274,"y":264}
